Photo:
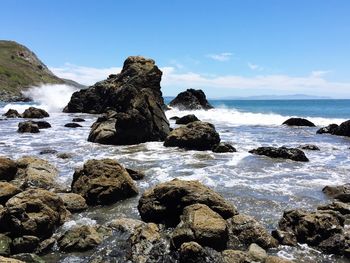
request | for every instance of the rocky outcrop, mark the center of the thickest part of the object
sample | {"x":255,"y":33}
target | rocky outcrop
{"x":191,"y":99}
{"x":28,"y":126}
{"x":331,"y":128}
{"x":11,"y":113}
{"x":34,"y":212}
{"x":165,"y":202}
{"x":72,"y":125}
{"x":342,"y":130}
{"x":223,"y":148}
{"x":8,"y":169}
{"x":340,"y":192}
{"x":34,"y":113}
{"x":187,"y":119}
{"x":281,"y":152}
{"x":7,"y":190}
{"x":194,"y":136}
{"x":103,"y":181}
{"x":201,"y":224}
{"x":298,"y":122}
{"x":73,"y":202}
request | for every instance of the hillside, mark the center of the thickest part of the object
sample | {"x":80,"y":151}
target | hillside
{"x":20,"y":69}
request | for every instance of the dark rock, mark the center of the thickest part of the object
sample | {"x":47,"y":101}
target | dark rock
{"x":48,"y":151}
{"x":5,"y":245}
{"x":8,"y":169}
{"x":298,"y":122}
{"x":194,"y":136}
{"x":103,"y":181}
{"x":332,"y":128}
{"x":24,"y":244}
{"x":11,"y":113}
{"x":340,"y":207}
{"x":187,"y":119}
{"x":73,"y":202}
{"x":223,"y":148}
{"x":165,"y":202}
{"x":281,"y":152}
{"x":7,"y":190}
{"x":309,"y":147}
{"x":201,"y":224}
{"x":35,"y":113}
{"x":135,"y":175}
{"x":192,"y":252}
{"x":78,"y":120}
{"x":46,"y":245}
{"x":340,"y":192}
{"x":34,"y":212}
{"x":284,"y":237}
{"x":191,"y":100}
{"x":42,"y":124}
{"x":343,"y":129}
{"x":28,"y":126}
{"x":244,"y":230}
{"x":174,"y":118}
{"x":72,"y":125}
{"x":64,"y":155}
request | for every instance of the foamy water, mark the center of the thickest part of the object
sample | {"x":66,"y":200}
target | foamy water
{"x":259,"y":186}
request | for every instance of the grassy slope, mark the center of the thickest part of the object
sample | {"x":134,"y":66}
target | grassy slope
{"x":20,"y":69}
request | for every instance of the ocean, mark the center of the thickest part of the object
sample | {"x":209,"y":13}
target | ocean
{"x":257,"y":185}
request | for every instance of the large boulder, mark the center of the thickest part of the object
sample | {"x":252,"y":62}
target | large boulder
{"x":191,"y":99}
{"x":166,"y":201}
{"x":281,"y":152}
{"x":73,"y":202}
{"x":28,"y":126}
{"x":343,"y":129}
{"x":134,"y":97}
{"x":298,"y":122}
{"x":187,"y":119}
{"x":195,"y":136}
{"x":35,"y":113}
{"x":34,"y":212}
{"x":11,"y":113}
{"x":103,"y":181}
{"x":340,"y":192}
{"x":201,"y":224}
{"x":8,"y":169}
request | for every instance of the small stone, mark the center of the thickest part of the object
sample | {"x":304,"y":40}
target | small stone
{"x":72,"y":125}
{"x":5,"y":245}
{"x":28,"y":127}
{"x":78,"y":120}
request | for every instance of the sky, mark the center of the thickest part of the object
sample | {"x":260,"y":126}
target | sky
{"x":225,"y":47}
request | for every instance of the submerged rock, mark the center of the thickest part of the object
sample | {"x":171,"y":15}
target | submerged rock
{"x":194,"y":136}
{"x":340,"y":192}
{"x":48,"y":151}
{"x":78,"y":120}
{"x":103,"y":181}
{"x":8,"y":169}
{"x":28,"y":126}
{"x":298,"y":122}
{"x":187,"y":119}
{"x":223,"y":148}
{"x":191,"y":99}
{"x":35,"y":113}
{"x":281,"y":152}
{"x":11,"y":113}
{"x":166,"y":201}
{"x":72,"y":125}
{"x":329,"y":129}
{"x":201,"y":224}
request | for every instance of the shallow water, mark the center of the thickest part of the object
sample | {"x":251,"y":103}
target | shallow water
{"x":257,"y":185}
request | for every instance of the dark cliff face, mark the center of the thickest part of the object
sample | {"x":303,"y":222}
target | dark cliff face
{"x":191,"y":99}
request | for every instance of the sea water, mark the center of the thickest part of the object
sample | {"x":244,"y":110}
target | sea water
{"x":259,"y":186}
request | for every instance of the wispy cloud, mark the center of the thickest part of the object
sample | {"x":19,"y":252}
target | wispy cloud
{"x":253,"y":66}
{"x":84,"y":75}
{"x":226,"y":56}
{"x":320,"y":73}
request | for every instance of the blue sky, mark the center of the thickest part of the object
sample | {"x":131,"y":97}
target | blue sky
{"x":227,"y":48}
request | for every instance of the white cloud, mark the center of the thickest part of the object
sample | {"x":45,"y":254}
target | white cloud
{"x":253,"y":66}
{"x":320,"y":73}
{"x":84,"y":75}
{"x":226,"y":56}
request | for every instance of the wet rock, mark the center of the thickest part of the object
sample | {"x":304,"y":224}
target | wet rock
{"x":257,"y":253}
{"x":311,"y":227}
{"x":46,"y":245}
{"x":234,"y":256}
{"x":281,"y":152}
{"x":5,"y":245}
{"x":274,"y":259}
{"x":340,"y":192}
{"x":332,"y":128}
{"x":187,"y":119}
{"x":166,"y":201}
{"x":343,"y":129}
{"x":284,"y":237}
{"x":223,"y":148}
{"x":11,"y":113}
{"x":42,"y":124}
{"x":24,"y":244}
{"x":309,"y":147}
{"x":34,"y":113}
{"x":78,"y":120}
{"x":7,"y":190}
{"x":201,"y":224}
{"x":34,"y":172}
{"x":191,"y":99}
{"x":126,"y":225}
{"x":80,"y":238}
{"x":73,"y":202}
{"x":335,"y":244}
{"x":192,"y":252}
{"x":64,"y":155}
{"x":245,"y":230}
{"x":298,"y":122}
{"x":8,"y":169}
{"x":340,"y":207}
{"x":195,"y":136}
{"x":10,"y":260}
{"x":48,"y":151}
{"x":28,"y":126}
{"x":34,"y":212}
{"x":103,"y":181}
{"x":135,"y":175}
{"x":29,"y":258}
{"x":72,"y":125}
{"x":174,"y":118}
